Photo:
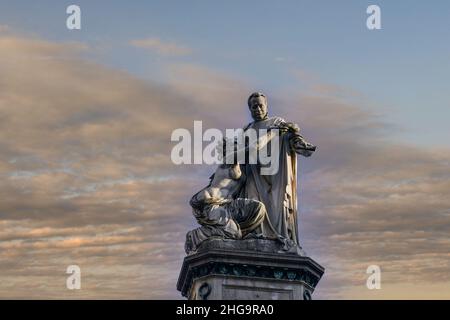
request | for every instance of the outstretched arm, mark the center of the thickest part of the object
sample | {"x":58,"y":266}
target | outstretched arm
{"x":296,"y":140}
{"x":301,"y":146}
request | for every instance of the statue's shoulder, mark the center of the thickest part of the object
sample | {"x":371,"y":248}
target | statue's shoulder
{"x":247,"y":126}
{"x":269,"y":122}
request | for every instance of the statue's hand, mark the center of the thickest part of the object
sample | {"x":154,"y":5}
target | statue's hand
{"x":301,"y":146}
{"x":288,"y":127}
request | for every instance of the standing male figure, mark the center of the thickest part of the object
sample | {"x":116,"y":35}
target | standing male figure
{"x":278,"y":192}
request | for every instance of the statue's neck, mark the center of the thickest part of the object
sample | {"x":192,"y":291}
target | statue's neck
{"x":263,"y":119}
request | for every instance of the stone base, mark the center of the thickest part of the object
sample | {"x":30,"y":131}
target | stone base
{"x":248,"y":270}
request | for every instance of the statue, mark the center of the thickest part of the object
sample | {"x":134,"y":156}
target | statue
{"x":278,"y":192}
{"x":221,"y":214}
{"x":240,"y":202}
{"x":247,"y":246}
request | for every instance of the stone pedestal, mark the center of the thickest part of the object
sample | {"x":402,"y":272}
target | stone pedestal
{"x":248,"y":270}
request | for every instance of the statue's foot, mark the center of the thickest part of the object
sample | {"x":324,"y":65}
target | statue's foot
{"x":286,"y":244}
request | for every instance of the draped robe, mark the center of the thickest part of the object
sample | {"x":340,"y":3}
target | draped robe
{"x":278,"y":192}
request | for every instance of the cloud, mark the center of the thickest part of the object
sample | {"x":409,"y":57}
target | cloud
{"x":86,"y":179}
{"x":161,"y":47}
{"x":368,"y":199}
{"x":86,"y":175}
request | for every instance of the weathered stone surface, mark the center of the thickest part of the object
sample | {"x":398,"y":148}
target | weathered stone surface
{"x":247,"y":196}
{"x":258,"y":245}
{"x":247,"y":244}
{"x":247,"y":270}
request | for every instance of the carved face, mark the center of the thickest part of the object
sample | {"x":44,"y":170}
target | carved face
{"x":258,"y":108}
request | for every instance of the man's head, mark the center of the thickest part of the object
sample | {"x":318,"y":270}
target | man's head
{"x":257,"y":103}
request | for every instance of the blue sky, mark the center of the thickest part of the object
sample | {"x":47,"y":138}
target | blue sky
{"x":85,"y":147}
{"x":401,"y":71}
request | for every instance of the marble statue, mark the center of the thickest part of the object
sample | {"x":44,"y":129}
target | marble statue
{"x":278,"y":192}
{"x":242,"y":203}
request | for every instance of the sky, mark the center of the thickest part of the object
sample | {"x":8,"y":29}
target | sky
{"x":86,"y":117}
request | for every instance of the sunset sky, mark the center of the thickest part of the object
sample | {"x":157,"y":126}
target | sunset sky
{"x":86,"y":118}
